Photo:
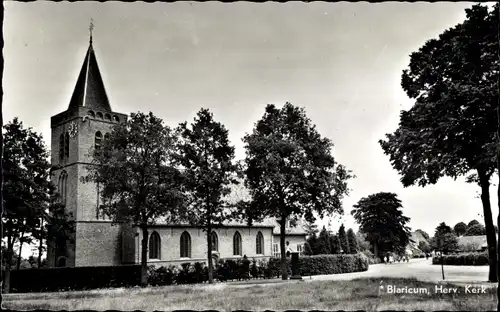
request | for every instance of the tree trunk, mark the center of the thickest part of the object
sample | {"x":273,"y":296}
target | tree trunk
{"x":8,"y":258}
{"x":498,"y":194}
{"x":375,"y":249}
{"x":7,"y":271}
{"x":144,"y":257}
{"x":209,"y":253}
{"x":284,"y":266}
{"x":491,"y":239}
{"x":40,"y":246}
{"x":21,"y":242}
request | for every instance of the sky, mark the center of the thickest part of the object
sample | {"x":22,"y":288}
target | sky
{"x":341,"y":61}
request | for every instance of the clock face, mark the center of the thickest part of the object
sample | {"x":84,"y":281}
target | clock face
{"x":73,"y":129}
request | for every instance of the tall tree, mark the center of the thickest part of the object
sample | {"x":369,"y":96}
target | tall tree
{"x":472,"y":223}
{"x":290,"y":170}
{"x":26,"y":171}
{"x":311,"y":228}
{"x":324,"y":242}
{"x":380,"y":217}
{"x":363,"y":244}
{"x":312,"y":245}
{"x":344,"y":244}
{"x":476,"y":229}
{"x":445,"y":242}
{"x":424,"y":246}
{"x":136,"y":170}
{"x":460,"y":228}
{"x":450,"y":131}
{"x":209,"y":169}
{"x":353,"y":242}
{"x":334,"y":245}
{"x":442,"y":229}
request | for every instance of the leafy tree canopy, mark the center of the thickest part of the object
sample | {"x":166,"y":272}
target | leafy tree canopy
{"x":290,"y":171}
{"x":208,"y":169}
{"x":475,"y":229}
{"x":442,"y":229}
{"x":380,"y":217}
{"x":451,"y":128}
{"x":473,"y":222}
{"x":460,"y":228}
{"x":136,"y":171}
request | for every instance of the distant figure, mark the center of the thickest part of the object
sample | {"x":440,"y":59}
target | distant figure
{"x":391,"y":259}
{"x":288,"y":249}
{"x":385,"y":259}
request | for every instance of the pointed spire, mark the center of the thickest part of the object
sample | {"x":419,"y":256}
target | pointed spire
{"x":89,"y":90}
{"x":91,"y":27}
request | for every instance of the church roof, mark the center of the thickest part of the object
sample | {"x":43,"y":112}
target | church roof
{"x":89,"y":90}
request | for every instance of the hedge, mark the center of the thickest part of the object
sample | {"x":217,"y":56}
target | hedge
{"x":78,"y":278}
{"x":471,"y":258}
{"x":82,"y":278}
{"x":323,"y":264}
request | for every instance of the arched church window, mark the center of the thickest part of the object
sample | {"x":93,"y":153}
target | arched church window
{"x":215,"y":241}
{"x":91,"y":113}
{"x":259,"y":244}
{"x":154,"y":246}
{"x":116,"y":118}
{"x":237,"y":244}
{"x":99,"y":115}
{"x":61,"y":146}
{"x":185,"y":245}
{"x":66,"y":144}
{"x":98,"y":140}
{"x":107,"y":117}
{"x":63,"y":186}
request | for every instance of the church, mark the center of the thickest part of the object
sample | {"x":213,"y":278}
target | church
{"x":98,"y":242}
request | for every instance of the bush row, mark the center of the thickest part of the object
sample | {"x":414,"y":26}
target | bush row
{"x":246,"y":269}
{"x":471,"y":258}
{"x":80,"y":278}
{"x":84,"y":278}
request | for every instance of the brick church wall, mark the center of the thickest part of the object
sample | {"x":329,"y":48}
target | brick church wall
{"x":170,"y":244}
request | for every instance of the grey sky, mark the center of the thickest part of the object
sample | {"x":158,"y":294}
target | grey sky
{"x":341,"y":61}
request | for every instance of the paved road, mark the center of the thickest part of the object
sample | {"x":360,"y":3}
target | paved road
{"x":422,"y":269}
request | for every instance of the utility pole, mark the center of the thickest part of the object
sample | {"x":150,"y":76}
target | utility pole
{"x":440,"y":242}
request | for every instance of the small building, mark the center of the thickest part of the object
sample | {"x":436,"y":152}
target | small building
{"x":473,"y":243}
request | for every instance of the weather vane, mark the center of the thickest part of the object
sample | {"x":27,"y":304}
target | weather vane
{"x":91,"y":27}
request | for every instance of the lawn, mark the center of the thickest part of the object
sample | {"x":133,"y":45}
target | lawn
{"x":360,"y":294}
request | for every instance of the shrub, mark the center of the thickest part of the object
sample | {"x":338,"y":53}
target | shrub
{"x":244,"y":268}
{"x":254,"y":270}
{"x":222,"y":271}
{"x":77,"y":278}
{"x":187,"y":274}
{"x":162,"y":276}
{"x":472,"y":258}
{"x":371,"y":257}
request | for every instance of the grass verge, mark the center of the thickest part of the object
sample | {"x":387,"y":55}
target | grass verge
{"x":360,"y":294}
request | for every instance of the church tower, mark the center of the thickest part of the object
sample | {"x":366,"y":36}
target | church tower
{"x":75,"y":133}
